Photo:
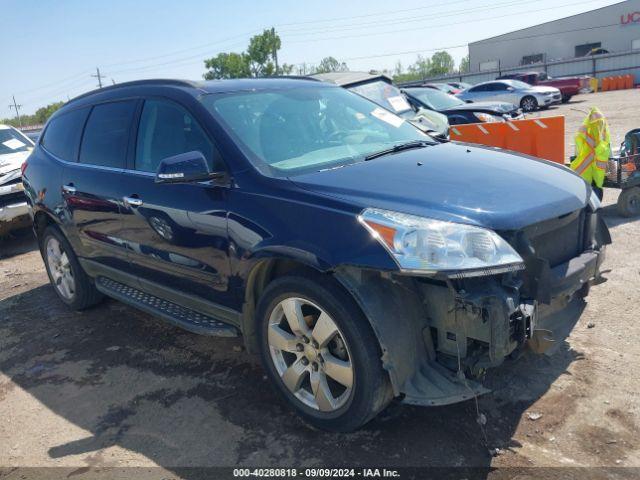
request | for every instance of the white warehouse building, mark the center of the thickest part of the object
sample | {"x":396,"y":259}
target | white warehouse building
{"x":614,"y":29}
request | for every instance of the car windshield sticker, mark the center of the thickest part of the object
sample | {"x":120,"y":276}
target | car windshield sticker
{"x":13,"y":144}
{"x":387,"y":116}
{"x":399,"y":103}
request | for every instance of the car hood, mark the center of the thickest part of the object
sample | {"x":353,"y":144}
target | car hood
{"x":459,"y":183}
{"x":12,"y":161}
{"x":497,"y":107}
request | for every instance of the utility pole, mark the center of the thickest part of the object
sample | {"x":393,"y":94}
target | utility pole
{"x":99,"y":77}
{"x":17,"y":109}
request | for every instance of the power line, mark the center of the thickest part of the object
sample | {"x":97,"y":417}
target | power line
{"x":402,"y":20}
{"x":451,"y":47}
{"x":390,"y":32}
{"x":386,"y":12}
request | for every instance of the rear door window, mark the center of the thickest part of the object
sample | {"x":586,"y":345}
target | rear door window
{"x":106,"y":134}
{"x":62,"y":136}
{"x":167,"y":129}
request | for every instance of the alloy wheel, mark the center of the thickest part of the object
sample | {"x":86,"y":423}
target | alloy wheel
{"x":310,"y":354}
{"x":529,"y":104}
{"x":60,"y":269}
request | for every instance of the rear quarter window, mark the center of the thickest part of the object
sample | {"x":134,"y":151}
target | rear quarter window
{"x":62,"y":136}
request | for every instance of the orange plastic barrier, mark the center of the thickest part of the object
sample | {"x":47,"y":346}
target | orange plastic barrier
{"x":538,"y":137}
{"x":629,"y":82}
{"x":618,"y":82}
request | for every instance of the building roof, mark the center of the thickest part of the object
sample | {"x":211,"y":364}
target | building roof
{"x":546,"y":23}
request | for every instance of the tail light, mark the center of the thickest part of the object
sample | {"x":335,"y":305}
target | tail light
{"x":23,"y":167}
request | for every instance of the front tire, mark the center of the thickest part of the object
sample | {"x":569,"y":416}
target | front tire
{"x":321,"y":353}
{"x":529,"y":104}
{"x":70,"y":282}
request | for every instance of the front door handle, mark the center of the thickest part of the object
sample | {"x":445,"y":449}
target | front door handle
{"x":69,"y":188}
{"x":132,"y":201}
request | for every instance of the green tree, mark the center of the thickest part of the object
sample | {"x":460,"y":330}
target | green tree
{"x":38,"y":118}
{"x":441,"y":63}
{"x":263,"y":53}
{"x":260,"y":59}
{"x":330,"y":64}
{"x":464,"y":64}
{"x":227,"y":65}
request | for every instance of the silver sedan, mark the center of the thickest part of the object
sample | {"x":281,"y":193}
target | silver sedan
{"x":529,"y":97}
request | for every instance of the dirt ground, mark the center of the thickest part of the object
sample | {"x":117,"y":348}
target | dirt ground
{"x":113,"y":387}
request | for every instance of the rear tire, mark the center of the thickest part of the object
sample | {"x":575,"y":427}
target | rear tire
{"x":328,"y":367}
{"x":70,"y":282}
{"x":529,"y":104}
{"x":629,"y":202}
{"x":566,"y":98}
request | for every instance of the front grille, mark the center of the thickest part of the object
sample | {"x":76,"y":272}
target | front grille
{"x":11,"y":198}
{"x":558,"y":240}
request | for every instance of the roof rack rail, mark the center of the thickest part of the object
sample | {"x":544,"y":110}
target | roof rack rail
{"x":133,"y":83}
{"x":295,"y":77}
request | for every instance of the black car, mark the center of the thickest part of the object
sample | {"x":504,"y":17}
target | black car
{"x":362,"y":259}
{"x":458,"y":111}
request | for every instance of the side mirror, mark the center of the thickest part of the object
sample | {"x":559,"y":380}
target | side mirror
{"x":185,"y":168}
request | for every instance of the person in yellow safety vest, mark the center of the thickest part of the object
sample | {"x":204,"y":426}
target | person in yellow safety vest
{"x":593,"y":149}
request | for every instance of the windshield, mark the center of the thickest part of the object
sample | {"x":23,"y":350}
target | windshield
{"x":295,"y":130}
{"x":12,"y":141}
{"x":384,"y":94}
{"x":435,"y":99}
{"x":517,"y":84}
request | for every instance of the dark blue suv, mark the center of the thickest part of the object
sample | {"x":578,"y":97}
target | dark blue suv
{"x":363,"y":259}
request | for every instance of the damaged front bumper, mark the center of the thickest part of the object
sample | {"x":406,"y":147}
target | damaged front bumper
{"x":14,"y":211}
{"x":439,"y":336}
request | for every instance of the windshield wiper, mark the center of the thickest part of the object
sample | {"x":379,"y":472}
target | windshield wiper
{"x":399,"y":148}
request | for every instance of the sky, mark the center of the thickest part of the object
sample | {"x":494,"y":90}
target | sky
{"x":53,"y":47}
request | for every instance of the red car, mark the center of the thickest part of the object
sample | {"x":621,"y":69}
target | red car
{"x":568,"y":86}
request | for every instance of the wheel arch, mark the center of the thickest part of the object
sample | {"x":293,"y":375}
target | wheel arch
{"x":41,"y":220}
{"x":393,"y":311}
{"x":263,"y":272}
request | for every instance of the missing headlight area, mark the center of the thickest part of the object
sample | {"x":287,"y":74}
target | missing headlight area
{"x":440,"y":334}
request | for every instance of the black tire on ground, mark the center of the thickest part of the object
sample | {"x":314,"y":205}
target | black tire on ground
{"x":371,"y":388}
{"x":85,"y":293}
{"x":629,"y":202}
{"x":529,"y":104}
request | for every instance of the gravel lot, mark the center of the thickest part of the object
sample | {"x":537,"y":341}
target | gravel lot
{"x":113,"y":387}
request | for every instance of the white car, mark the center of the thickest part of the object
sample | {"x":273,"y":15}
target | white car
{"x":14,"y":150}
{"x":528,"y":97}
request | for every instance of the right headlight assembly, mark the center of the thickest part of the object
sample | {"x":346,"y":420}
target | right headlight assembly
{"x":426,"y":246}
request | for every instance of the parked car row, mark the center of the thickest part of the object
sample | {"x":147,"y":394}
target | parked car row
{"x":364,"y":260}
{"x":536,"y":94}
{"x":430,"y":108}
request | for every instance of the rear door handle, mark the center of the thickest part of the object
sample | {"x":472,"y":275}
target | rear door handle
{"x":70,"y":189}
{"x":132,"y":201}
